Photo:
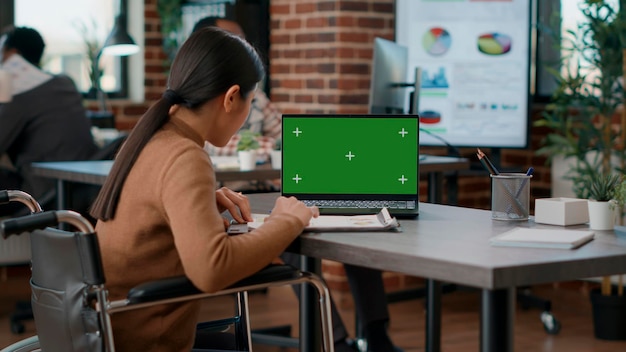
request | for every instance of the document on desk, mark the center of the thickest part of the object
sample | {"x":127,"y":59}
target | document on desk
{"x":382,"y":221}
{"x":542,"y":238}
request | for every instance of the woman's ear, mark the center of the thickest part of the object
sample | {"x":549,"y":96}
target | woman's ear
{"x":231,"y":96}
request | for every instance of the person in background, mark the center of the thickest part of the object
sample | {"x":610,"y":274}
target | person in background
{"x":42,"y":120}
{"x":264,"y":119}
{"x":159,"y":213}
{"x":366,"y":284}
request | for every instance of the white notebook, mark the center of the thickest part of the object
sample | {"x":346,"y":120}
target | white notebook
{"x":542,"y":238}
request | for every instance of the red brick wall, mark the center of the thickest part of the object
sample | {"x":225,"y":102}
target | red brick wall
{"x":321,"y":52}
{"x":320,"y":62}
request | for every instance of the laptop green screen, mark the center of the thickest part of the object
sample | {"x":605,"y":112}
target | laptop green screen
{"x":350,"y":154}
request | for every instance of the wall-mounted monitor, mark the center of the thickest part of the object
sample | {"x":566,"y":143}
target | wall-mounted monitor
{"x":475,"y":69}
{"x":388,"y":77}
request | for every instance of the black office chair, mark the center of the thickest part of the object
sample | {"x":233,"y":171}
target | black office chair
{"x":69,"y":297}
{"x":527,"y":300}
{"x":101,"y":119}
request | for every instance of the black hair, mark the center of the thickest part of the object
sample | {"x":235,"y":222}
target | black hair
{"x":27,"y":41}
{"x":206,"y":66}
{"x":210,"y":21}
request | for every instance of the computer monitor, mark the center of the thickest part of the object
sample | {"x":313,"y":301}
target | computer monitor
{"x":475,"y":63}
{"x":388,"y":78}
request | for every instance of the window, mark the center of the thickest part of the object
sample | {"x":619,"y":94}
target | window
{"x":67,"y":33}
{"x":548,"y":55}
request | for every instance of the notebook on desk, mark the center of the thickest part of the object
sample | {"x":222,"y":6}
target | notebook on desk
{"x":352,"y":164}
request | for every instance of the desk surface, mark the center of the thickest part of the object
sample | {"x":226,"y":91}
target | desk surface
{"x":95,"y":172}
{"x":450,"y":244}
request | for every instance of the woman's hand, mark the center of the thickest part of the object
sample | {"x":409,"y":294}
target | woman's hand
{"x":295,"y":207}
{"x":236,"y":203}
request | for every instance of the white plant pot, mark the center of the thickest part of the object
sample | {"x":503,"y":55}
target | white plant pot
{"x":601,"y":215}
{"x":247,"y":160}
{"x":276,"y":158}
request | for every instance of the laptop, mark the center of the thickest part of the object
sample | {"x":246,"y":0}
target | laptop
{"x":352,"y":164}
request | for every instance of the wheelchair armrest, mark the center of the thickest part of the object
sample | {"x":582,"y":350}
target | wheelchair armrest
{"x":271,"y":273}
{"x":171,"y":287}
{"x":180,"y":286}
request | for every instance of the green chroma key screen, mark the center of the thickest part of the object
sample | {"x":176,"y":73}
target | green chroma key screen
{"x":350,"y":155}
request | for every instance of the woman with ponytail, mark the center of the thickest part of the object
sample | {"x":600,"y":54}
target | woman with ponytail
{"x":159,"y":213}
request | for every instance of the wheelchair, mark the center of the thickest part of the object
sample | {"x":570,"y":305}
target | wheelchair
{"x":70,"y":301}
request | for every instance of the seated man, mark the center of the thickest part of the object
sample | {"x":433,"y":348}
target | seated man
{"x":44,"y":120}
{"x":366,"y":284}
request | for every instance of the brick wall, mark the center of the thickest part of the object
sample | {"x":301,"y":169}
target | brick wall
{"x":320,"y":63}
{"x":321,"y":52}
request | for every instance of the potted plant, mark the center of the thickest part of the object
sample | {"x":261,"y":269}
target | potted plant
{"x":276,"y":154}
{"x":602,"y":203}
{"x":587,"y":123}
{"x":585,"y":116}
{"x":246,"y":149}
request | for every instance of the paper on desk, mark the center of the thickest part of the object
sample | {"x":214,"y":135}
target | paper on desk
{"x":542,"y":238}
{"x":382,"y":221}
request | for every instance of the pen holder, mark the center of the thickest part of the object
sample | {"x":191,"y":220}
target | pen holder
{"x":510,"y":196}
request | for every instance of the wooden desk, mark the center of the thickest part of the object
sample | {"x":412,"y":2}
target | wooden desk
{"x":450,"y":244}
{"x":96,"y":172}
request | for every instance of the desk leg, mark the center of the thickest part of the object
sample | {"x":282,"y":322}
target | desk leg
{"x":310,"y":324}
{"x":61,"y":193}
{"x":496,"y":320}
{"x":433,"y":316}
{"x":453,"y":188}
{"x":435,"y":187}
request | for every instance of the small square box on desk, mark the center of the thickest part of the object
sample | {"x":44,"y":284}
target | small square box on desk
{"x":561,"y":211}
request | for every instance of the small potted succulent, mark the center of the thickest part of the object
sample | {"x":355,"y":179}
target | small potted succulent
{"x":247,"y":149}
{"x":602,"y":203}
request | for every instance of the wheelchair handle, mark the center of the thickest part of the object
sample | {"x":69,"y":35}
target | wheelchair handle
{"x":7,"y":196}
{"x":42,"y":220}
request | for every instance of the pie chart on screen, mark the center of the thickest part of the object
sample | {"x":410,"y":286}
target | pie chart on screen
{"x":494,"y":43}
{"x":436,"y":41}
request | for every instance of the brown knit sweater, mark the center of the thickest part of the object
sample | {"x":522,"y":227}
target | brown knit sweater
{"x":167,"y":223}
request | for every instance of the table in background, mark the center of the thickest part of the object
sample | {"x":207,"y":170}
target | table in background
{"x":435,"y":166}
{"x":450,"y":244}
{"x":95,"y":173}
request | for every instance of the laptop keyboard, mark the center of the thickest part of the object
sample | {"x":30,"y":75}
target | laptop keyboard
{"x":362,"y":204}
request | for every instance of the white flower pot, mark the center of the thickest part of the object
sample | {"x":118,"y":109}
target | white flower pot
{"x":601,"y":215}
{"x":247,"y":160}
{"x":276,"y":158}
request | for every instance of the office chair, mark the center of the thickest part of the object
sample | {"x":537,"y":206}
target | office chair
{"x":17,"y":251}
{"x":101,"y":119}
{"x":527,"y":300}
{"x":70,"y":300}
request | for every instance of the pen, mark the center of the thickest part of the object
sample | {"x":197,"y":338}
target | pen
{"x":529,"y":172}
{"x":486,"y":162}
